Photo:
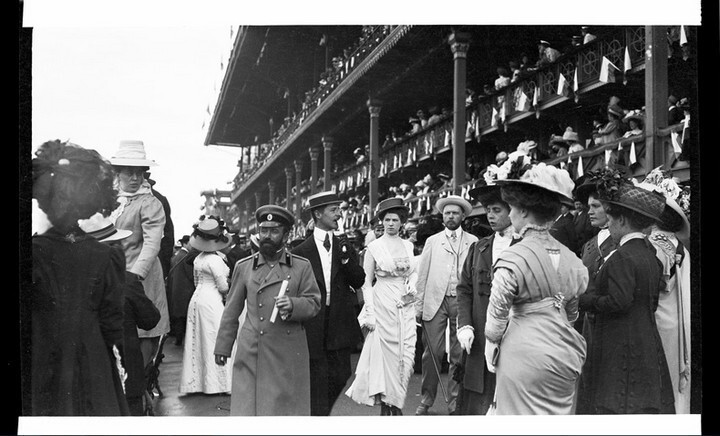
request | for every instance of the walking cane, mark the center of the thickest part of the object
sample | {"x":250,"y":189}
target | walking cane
{"x":432,"y":354}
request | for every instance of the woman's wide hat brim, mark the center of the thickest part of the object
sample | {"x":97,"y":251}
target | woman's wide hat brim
{"x":209,"y":245}
{"x":549,"y":178}
{"x":640,"y":200}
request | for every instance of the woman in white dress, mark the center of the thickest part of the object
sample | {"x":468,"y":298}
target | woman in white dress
{"x":211,"y":274}
{"x":388,"y":316}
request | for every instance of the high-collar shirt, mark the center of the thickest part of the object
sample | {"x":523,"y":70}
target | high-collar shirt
{"x":502,"y":240}
{"x":325,"y":258}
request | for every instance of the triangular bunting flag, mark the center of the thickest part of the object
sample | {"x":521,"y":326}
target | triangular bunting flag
{"x":683,"y":36}
{"x":619,"y":146}
{"x":569,"y":161}
{"x":562,"y":88}
{"x":686,"y":124}
{"x":580,"y":170}
{"x":576,"y":83}
{"x":536,"y":96}
{"x":633,"y":158}
{"x":677,"y":148}
{"x":494,"y":121}
{"x":607,"y":71}
{"x":522,"y":102}
{"x":608,"y":152}
{"x":447,"y":138}
{"x":628,"y":65}
{"x":502,"y":112}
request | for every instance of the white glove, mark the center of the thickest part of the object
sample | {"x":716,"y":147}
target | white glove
{"x":490,"y":350}
{"x":466,"y":337}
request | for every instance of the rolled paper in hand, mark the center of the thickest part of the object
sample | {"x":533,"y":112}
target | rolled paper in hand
{"x":283,"y":288}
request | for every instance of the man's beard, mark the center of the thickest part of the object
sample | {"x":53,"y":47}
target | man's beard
{"x":269,"y":249}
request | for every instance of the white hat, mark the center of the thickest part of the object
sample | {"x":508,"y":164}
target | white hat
{"x":456,"y":200}
{"x":131,"y":153}
{"x":548,"y":177}
{"x":102,"y":229}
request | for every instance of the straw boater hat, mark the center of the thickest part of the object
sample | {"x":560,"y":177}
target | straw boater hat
{"x":547,"y":177}
{"x":102,"y":229}
{"x":456,"y":200}
{"x":131,"y":153}
{"x":210,"y":234}
{"x":322,"y":199}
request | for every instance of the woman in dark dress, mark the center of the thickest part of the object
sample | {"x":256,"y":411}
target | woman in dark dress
{"x":76,"y":299}
{"x":629,"y":371}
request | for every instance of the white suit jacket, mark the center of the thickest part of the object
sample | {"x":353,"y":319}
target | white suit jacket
{"x":434,"y":269}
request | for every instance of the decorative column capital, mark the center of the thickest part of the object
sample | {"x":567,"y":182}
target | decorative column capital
{"x":459,"y":44}
{"x":271,"y":184}
{"x":327,"y":142}
{"x":289,"y":172}
{"x":314,"y":153}
{"x":298,"y":166}
{"x":374,"y":107}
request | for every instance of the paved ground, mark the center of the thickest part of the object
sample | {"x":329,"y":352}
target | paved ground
{"x":172,"y":403}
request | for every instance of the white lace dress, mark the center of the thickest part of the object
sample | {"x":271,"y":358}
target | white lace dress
{"x":200,"y":373}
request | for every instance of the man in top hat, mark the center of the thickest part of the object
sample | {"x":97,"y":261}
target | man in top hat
{"x":439,"y":272}
{"x":473,"y":294}
{"x":334,"y":333}
{"x":271,"y":374}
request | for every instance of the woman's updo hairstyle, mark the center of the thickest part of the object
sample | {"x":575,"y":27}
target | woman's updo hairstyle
{"x":72,"y":183}
{"x":541,"y":202}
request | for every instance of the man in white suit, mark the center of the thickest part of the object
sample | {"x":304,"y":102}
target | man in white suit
{"x":438,"y":275}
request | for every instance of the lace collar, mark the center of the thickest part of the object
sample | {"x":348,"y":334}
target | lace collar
{"x":531,"y":228}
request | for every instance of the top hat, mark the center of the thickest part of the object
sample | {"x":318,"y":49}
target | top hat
{"x":322,"y":199}
{"x":102,"y":229}
{"x":209,"y":235}
{"x":271,"y":215}
{"x":544,"y":42}
{"x":184,"y":240}
{"x":131,"y":153}
{"x":454,"y":199}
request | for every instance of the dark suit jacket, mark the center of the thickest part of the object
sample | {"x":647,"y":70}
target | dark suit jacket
{"x":167,"y":243}
{"x":473,"y":295}
{"x":563,"y":229}
{"x":583,"y":230}
{"x":343,"y":328}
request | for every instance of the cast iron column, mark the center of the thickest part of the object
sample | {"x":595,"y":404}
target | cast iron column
{"x":288,"y":187}
{"x":459,"y":44}
{"x":327,"y":160}
{"x":656,"y":95}
{"x":271,"y":192}
{"x":314,"y":155}
{"x":298,"y":183}
{"x":374,"y":107}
